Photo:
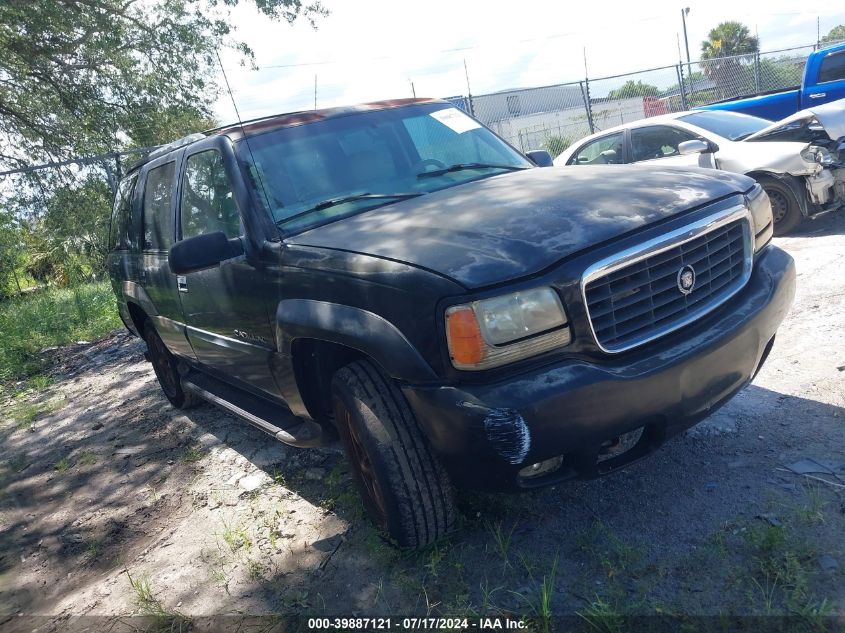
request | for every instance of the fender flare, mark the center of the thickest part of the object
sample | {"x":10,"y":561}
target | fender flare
{"x":356,"y":328}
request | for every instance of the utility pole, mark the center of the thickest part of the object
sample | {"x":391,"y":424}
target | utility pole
{"x":684,"y":14}
{"x":413,"y":90}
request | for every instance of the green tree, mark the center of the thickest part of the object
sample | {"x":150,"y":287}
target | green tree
{"x":836,"y":34}
{"x":83,"y":76}
{"x":633,"y":88}
{"x":727,"y":48}
{"x":11,"y":253}
{"x":555,"y":144}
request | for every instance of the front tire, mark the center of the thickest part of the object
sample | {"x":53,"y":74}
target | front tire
{"x":404,"y":486}
{"x":165,"y":367}
{"x":786,"y":210}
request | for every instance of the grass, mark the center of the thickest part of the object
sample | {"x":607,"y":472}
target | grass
{"x":236,"y":537}
{"x":51,"y":318}
{"x":602,"y":617}
{"x":615,"y":556}
{"x":86,"y":458}
{"x":164,"y":619}
{"x":813,"y":510}
{"x":501,"y":539}
{"x":40,"y":383}
{"x":25,"y":414}
{"x":192,"y":454}
{"x":62,"y":465}
{"x":540,"y":602}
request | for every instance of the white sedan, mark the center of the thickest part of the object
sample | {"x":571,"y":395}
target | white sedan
{"x":799,"y":161}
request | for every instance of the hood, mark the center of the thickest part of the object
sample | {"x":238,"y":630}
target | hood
{"x":829,"y":116}
{"x":517,"y":224}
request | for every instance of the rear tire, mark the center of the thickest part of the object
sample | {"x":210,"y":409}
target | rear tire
{"x":165,"y":367}
{"x":786,"y":210}
{"x":404,"y":486}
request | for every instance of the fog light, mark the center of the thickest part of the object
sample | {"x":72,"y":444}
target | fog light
{"x":541,"y":468}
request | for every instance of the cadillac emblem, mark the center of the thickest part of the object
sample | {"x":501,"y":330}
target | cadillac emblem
{"x":686,"y":279}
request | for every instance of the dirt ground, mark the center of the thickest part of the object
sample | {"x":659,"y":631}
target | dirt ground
{"x":113,"y":503}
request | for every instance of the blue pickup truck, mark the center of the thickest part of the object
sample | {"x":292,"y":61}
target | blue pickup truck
{"x":824,"y":81}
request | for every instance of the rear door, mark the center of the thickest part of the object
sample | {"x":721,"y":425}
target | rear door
{"x":224,"y":307}
{"x":157,"y":184}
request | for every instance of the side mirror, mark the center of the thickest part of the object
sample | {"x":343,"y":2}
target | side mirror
{"x":694,"y":146}
{"x":540,"y":157}
{"x":203,"y":251}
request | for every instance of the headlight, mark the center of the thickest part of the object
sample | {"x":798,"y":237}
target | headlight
{"x":761,"y":213}
{"x":816,"y":154}
{"x":493,"y":332}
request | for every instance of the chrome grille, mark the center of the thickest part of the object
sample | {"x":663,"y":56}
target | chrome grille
{"x":638,"y":295}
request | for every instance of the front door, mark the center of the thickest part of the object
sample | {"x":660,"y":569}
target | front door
{"x":659,"y":143}
{"x":224,"y":308}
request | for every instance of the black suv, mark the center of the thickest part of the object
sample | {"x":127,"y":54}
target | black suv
{"x":396,"y":274}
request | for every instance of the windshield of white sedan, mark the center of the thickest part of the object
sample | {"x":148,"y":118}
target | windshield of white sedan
{"x":733,"y":126}
{"x":318,"y":172}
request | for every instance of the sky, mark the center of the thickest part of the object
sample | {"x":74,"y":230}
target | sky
{"x":380,"y":49}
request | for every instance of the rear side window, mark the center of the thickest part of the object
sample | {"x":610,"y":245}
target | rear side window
{"x":832,"y":68}
{"x":121,"y":221}
{"x":605,"y":150}
{"x":207,"y":203}
{"x":158,"y":195}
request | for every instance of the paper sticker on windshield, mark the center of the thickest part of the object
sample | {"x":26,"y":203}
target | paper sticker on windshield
{"x":455,"y":120}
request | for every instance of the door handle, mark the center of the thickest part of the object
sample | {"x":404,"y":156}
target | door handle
{"x":818,"y":95}
{"x":182,"y":283}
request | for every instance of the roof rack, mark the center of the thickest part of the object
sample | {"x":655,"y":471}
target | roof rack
{"x":161,"y":150}
{"x":238,"y":124}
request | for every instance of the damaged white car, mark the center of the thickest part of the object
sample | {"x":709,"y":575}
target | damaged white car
{"x":799,"y":161}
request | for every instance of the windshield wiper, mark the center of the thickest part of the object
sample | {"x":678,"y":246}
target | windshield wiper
{"x":333,"y":202}
{"x":463,"y":166}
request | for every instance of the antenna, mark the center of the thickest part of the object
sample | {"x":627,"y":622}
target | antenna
{"x":243,"y":131}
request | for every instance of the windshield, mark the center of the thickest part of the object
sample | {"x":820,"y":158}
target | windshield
{"x":318,"y":172}
{"x":730,"y":125}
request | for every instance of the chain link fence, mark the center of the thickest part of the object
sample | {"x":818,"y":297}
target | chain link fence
{"x":553,"y":117}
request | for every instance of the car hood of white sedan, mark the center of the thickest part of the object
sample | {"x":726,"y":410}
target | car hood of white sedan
{"x":831,"y":116}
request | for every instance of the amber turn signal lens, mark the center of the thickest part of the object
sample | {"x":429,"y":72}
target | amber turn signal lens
{"x":464,"y":337}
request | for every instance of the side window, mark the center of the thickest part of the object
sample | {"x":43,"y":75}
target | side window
{"x":207,"y":204}
{"x":607,"y":150}
{"x":158,"y":194}
{"x":659,"y":141}
{"x":121,"y":221}
{"x":832,"y":68}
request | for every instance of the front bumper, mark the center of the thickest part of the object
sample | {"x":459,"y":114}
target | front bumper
{"x":485,"y":434}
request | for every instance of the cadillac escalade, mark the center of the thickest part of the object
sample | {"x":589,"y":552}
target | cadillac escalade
{"x":455,"y":312}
